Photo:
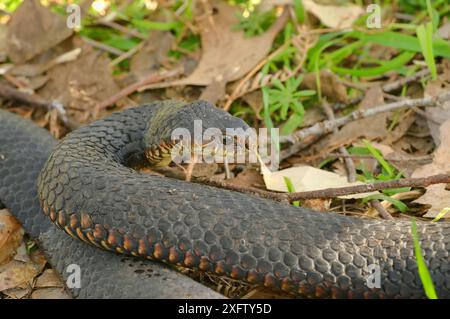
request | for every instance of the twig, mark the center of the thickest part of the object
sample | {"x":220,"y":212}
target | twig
{"x":151,"y":78}
{"x":103,"y":46}
{"x":326,"y":127}
{"x":380,"y":209}
{"x":121,"y":28}
{"x":338,"y":191}
{"x":366,"y":188}
{"x":10,"y":93}
{"x":127,"y":54}
{"x":350,"y":166}
{"x":389,"y":87}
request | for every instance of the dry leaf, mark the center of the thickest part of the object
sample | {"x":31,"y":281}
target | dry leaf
{"x":227,"y":54}
{"x":247,"y":178}
{"x":50,"y":293}
{"x":436,"y":195}
{"x":49,"y":278}
{"x":18,"y":274}
{"x":444,"y":31}
{"x":330,"y":85}
{"x":153,"y":54}
{"x":11,"y":234}
{"x":438,"y":114}
{"x":332,"y":16}
{"x":79,"y":85}
{"x":308,"y":178}
{"x":33,"y":29}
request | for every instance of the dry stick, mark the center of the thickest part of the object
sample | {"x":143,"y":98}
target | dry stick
{"x":325,"y":127}
{"x":338,"y":191}
{"x":10,"y":93}
{"x":151,"y":78}
{"x":366,"y":188}
{"x":349,"y":164}
{"x":103,"y":46}
{"x":127,"y":54}
{"x":121,"y":28}
{"x":380,"y":209}
{"x":389,"y":87}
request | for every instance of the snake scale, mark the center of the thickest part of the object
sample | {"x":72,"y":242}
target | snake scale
{"x":86,"y":189}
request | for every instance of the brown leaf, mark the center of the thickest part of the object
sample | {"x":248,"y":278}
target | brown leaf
{"x":436,"y":195}
{"x":333,"y":16}
{"x":11,"y":234}
{"x":438,"y":114}
{"x":228,"y":54}
{"x":153,"y":54}
{"x":49,"y":278}
{"x":329,"y":83}
{"x":248,"y":177}
{"x":79,"y":85}
{"x":50,"y":293}
{"x":18,"y":274}
{"x":33,"y":29}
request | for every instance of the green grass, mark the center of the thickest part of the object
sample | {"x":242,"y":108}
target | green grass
{"x":291,"y":189}
{"x":284,"y":103}
{"x":424,"y":274}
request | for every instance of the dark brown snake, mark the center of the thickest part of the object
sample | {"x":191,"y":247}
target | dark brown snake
{"x":87,"y":188}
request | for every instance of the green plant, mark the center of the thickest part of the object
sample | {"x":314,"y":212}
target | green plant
{"x":425,"y":36}
{"x":424,"y":274}
{"x":441,"y":214}
{"x":291,"y":189}
{"x":256,"y":23}
{"x":284,"y":103}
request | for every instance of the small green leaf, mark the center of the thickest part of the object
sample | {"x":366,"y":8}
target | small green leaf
{"x":400,"y":206}
{"x":424,"y":274}
{"x":441,"y":214}
{"x":388,"y":168}
{"x":291,"y":189}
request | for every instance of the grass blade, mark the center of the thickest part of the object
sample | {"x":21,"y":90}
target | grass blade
{"x":424,"y":274}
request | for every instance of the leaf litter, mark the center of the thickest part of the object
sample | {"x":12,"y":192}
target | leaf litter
{"x":59,"y":66}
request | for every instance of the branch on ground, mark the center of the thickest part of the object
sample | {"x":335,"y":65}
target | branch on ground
{"x":298,"y":139}
{"x":12,"y":94}
{"x":339,"y":191}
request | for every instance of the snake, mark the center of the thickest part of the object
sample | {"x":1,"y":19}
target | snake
{"x":86,"y":186}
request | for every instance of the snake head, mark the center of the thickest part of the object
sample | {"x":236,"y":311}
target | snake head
{"x":189,"y":128}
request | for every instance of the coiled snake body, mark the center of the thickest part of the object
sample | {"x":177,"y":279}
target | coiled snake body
{"x":86,"y":189}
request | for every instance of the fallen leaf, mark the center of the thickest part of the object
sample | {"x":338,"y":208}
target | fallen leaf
{"x":438,"y":114}
{"x":227,"y":54}
{"x":153,"y":54}
{"x":81,"y":84}
{"x":18,"y":274}
{"x":444,"y":31}
{"x":332,"y":16}
{"x":17,"y":293}
{"x":11,"y":234}
{"x":247,"y":178}
{"x":42,"y":30}
{"x":50,"y":293}
{"x":3,"y":45}
{"x":49,"y":278}
{"x":308,"y":178}
{"x":436,"y":195}
{"x":330,"y":85}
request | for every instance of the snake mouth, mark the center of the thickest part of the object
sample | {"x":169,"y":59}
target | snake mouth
{"x":228,"y":149}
